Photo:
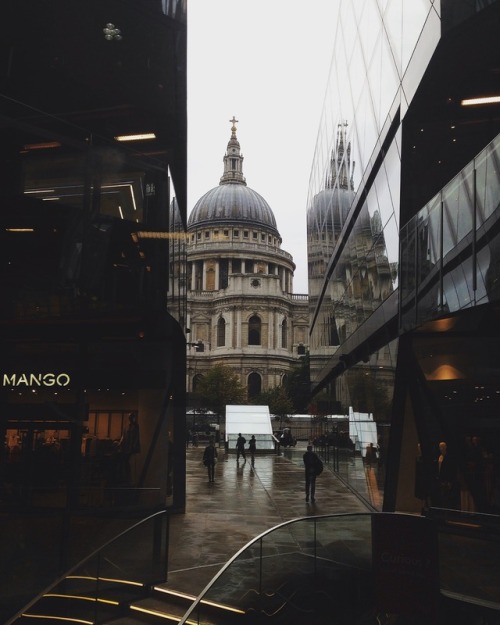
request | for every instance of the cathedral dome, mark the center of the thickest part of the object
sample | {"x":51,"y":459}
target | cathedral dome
{"x":230,"y":204}
{"x":233,"y":202}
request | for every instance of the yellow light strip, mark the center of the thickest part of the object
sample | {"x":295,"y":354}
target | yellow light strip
{"x":486,"y":100}
{"x":65,"y":619}
{"x":167,"y":617}
{"x":175,"y":593}
{"x":83,"y":598}
{"x":139,"y":137}
{"x":181,"y":595}
{"x":221,"y":606}
{"x":145,"y":234}
{"x":106,"y":579}
{"x":19,"y":230}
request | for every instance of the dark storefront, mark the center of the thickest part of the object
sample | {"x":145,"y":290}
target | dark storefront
{"x":92,"y":256}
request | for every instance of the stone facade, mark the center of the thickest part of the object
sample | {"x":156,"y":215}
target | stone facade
{"x":241,"y":308}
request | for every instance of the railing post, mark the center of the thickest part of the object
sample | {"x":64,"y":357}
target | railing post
{"x":315,"y":551}
{"x":260,"y":568}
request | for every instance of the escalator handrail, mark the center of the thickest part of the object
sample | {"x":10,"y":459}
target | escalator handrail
{"x":75,"y":567}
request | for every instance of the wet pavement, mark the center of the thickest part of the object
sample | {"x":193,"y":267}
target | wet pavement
{"x":244,"y":501}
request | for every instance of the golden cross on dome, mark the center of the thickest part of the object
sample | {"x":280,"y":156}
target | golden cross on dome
{"x":233,"y":121}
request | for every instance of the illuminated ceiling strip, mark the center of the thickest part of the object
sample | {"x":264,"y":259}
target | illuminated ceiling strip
{"x":42,"y":146}
{"x":486,"y":100}
{"x":137,"y":137}
{"x":27,"y":191}
{"x":19,"y":230}
{"x":126,"y":184}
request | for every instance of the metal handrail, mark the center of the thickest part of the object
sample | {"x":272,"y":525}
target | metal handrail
{"x":313,"y":519}
{"x":75,"y":567}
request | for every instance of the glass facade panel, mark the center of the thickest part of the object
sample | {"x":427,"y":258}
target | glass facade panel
{"x":429,"y":241}
{"x":460,"y":281}
{"x":412,"y":23}
{"x":459,"y":203}
{"x":388,"y":197}
{"x":388,"y":68}
{"x":393,"y":22}
{"x":489,"y":267}
{"x":461,"y":288}
{"x":488,"y":181}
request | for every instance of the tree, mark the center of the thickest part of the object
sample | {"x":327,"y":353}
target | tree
{"x":219,"y":387}
{"x":280,"y":404}
{"x":298,"y":385}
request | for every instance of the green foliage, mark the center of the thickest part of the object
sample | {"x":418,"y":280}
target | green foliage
{"x":298,"y":386}
{"x":278,"y":401}
{"x":220,"y":387}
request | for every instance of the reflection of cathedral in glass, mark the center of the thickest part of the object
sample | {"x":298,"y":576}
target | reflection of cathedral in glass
{"x":363,"y":277}
{"x":403,"y":249}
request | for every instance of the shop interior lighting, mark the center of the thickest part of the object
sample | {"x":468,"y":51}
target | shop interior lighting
{"x":145,"y":136}
{"x":495,"y":99}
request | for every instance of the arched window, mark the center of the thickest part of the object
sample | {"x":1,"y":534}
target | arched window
{"x":254,"y":330}
{"x":196,"y":380}
{"x":221,"y":332}
{"x":283,"y":333}
{"x":254,"y":385}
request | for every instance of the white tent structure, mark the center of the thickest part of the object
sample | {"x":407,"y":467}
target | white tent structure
{"x":249,"y":420}
{"x":362,"y":430}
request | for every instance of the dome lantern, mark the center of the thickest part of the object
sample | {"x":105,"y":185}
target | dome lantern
{"x":233,"y":159}
{"x":233,"y":203}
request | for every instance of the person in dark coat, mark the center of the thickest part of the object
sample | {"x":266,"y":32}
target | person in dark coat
{"x":210,"y":460}
{"x":240,"y":447}
{"x":252,"y":447}
{"x":311,"y":465}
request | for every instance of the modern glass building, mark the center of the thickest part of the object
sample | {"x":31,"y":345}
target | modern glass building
{"x":403,"y":235}
{"x":92,"y":275}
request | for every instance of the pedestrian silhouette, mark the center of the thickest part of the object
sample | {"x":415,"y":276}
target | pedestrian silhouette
{"x":210,"y":460}
{"x":252,"y":446}
{"x":240,"y":447}
{"x":313,"y":467}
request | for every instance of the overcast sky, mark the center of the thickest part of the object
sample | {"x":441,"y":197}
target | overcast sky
{"x":266,"y":62}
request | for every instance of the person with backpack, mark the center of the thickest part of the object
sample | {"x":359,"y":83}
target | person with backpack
{"x":313,"y":467}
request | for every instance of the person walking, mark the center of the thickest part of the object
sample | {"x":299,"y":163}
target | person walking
{"x":240,"y":447}
{"x":313,"y":467}
{"x":210,"y":460}
{"x":252,"y":447}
